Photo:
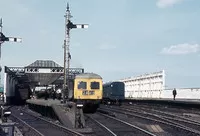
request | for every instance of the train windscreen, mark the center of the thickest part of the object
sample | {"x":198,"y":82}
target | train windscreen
{"x":82,"y":85}
{"x":94,"y":85}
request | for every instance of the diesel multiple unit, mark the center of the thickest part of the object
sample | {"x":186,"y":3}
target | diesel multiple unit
{"x":87,"y":90}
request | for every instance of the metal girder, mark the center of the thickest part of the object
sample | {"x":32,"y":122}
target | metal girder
{"x":13,"y":70}
{"x":16,"y":73}
{"x":10,"y":72}
{"x":75,"y":71}
{"x":31,"y":74}
{"x":16,"y":69}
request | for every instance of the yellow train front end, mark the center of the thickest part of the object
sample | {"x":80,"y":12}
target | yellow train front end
{"x":88,"y":90}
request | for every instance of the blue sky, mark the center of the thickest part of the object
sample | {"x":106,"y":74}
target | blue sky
{"x":125,"y":37}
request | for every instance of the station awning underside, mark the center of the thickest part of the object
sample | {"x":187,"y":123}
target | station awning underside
{"x":41,"y":73}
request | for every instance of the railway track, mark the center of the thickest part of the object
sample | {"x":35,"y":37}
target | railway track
{"x":167,"y":115}
{"x":32,"y":125}
{"x":116,"y":127}
{"x":192,"y":113}
{"x":164,"y":122}
{"x":98,"y":128}
{"x":167,"y":108}
{"x":25,"y":128}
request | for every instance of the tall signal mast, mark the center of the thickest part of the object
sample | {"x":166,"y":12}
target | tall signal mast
{"x":67,"y":56}
{"x":1,"y":35}
{"x":3,"y":38}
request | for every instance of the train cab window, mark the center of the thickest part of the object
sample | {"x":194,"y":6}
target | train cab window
{"x":82,"y":85}
{"x":94,"y":85}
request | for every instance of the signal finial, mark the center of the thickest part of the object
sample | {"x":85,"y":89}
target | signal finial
{"x":67,"y":6}
{"x":1,"y":24}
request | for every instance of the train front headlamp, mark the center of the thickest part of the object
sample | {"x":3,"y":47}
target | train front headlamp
{"x":6,"y":113}
{"x":79,"y":105}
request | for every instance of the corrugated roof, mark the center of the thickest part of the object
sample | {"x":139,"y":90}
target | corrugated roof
{"x":44,"y":64}
{"x":113,"y":82}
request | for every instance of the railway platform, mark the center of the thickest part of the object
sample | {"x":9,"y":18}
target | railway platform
{"x":195,"y":103}
{"x":69,"y":114}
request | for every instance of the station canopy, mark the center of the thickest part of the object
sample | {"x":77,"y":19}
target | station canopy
{"x":42,"y":73}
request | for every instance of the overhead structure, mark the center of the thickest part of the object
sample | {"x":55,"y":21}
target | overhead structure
{"x":41,"y":73}
{"x":67,"y":56}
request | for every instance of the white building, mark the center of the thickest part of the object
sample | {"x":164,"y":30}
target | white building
{"x":145,"y":86}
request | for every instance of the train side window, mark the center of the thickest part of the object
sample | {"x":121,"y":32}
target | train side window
{"x":82,"y":85}
{"x":94,"y":85}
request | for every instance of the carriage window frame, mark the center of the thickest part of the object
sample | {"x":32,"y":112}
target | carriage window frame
{"x":83,"y":86}
{"x":96,"y":87}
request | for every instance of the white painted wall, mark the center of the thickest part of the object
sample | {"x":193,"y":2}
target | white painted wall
{"x":153,"y":86}
{"x":183,"y":93}
{"x":145,"y":86}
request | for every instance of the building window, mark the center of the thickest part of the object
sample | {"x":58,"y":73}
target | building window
{"x":82,"y":85}
{"x":94,"y":85}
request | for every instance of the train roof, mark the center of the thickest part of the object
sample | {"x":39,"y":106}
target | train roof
{"x":88,"y":76}
{"x":108,"y":83}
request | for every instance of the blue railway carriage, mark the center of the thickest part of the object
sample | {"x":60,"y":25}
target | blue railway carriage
{"x":113,"y":92}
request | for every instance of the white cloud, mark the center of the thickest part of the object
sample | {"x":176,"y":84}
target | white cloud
{"x":181,"y":49}
{"x":106,"y":46}
{"x":167,"y":3}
